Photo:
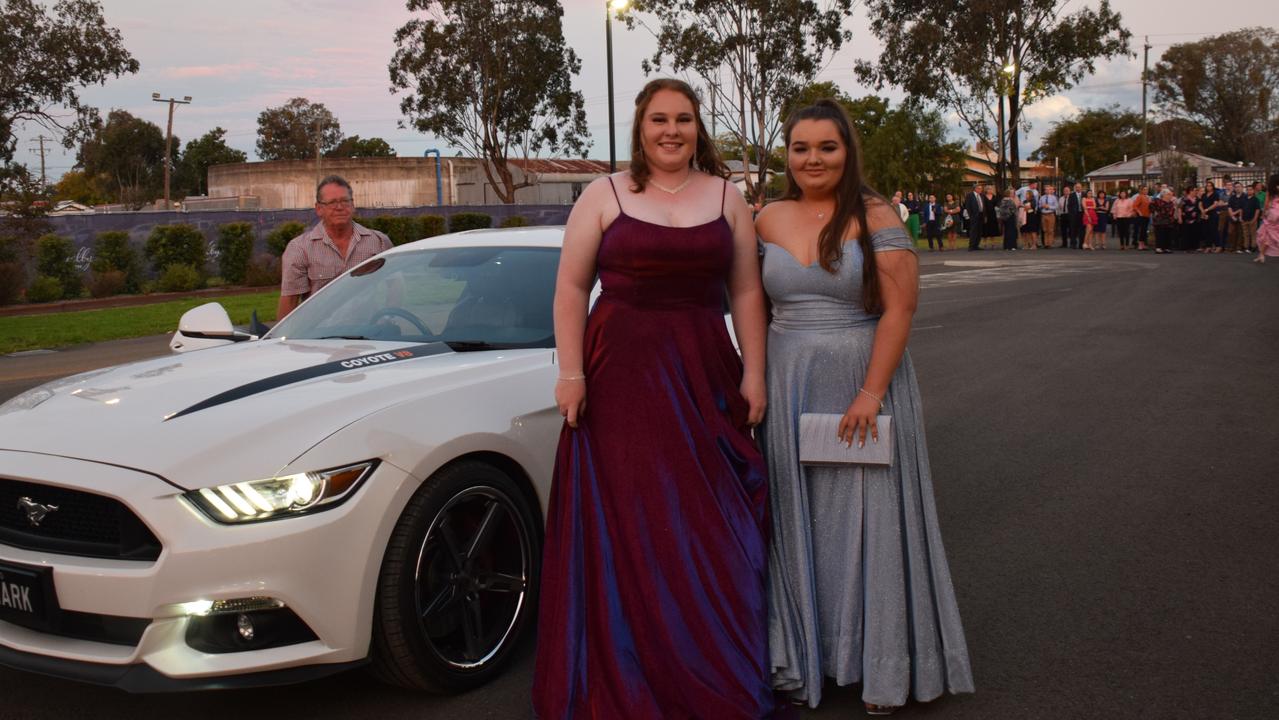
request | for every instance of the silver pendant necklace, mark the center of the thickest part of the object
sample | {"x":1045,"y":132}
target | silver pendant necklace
{"x":675,"y":189}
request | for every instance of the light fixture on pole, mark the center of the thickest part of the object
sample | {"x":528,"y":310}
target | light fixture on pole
{"x":611,"y":6}
{"x":168,"y":140}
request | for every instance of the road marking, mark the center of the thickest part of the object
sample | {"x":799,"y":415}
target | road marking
{"x":29,"y":353}
{"x":927,"y":327}
{"x":994,"y":271}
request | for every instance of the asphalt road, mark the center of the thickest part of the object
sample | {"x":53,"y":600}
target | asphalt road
{"x":1102,"y":433}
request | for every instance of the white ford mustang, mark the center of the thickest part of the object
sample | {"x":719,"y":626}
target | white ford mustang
{"x":364,"y":484}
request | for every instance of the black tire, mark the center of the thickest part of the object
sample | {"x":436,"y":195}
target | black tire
{"x":472,"y":537}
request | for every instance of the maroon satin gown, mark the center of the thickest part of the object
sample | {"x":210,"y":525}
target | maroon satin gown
{"x":653,"y":600}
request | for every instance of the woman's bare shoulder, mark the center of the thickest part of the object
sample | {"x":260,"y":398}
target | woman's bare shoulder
{"x":881,"y":215}
{"x":773,"y":215}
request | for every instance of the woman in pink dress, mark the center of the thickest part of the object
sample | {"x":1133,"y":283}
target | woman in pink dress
{"x":1268,"y":233}
{"x":1090,"y":219}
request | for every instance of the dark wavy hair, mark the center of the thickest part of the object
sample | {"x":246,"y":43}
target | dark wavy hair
{"x":850,"y":199}
{"x":705,"y":158}
{"x":1272,"y":188}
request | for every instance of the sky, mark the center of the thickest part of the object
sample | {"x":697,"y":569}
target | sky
{"x":236,"y":58}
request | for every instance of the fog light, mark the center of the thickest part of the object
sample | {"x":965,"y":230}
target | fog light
{"x":246,"y":630}
{"x":245,"y":627}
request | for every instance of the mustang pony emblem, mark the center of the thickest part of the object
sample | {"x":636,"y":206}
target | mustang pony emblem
{"x":35,"y":511}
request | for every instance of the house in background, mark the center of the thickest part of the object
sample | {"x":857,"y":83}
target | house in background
{"x":1171,"y":166}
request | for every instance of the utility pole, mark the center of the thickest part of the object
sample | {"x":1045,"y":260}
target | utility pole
{"x":317,"y":150}
{"x":42,"y":140}
{"x":1145,"y":73}
{"x":168,"y":141}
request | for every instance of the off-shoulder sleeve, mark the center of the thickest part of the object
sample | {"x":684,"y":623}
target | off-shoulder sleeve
{"x":891,"y":238}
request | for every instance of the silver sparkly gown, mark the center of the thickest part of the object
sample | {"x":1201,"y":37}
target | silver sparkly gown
{"x":859,"y":590}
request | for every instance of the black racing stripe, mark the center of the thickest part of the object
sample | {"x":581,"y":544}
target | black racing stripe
{"x":329,"y":368}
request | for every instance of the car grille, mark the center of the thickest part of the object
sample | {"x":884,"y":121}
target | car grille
{"x":84,"y":524}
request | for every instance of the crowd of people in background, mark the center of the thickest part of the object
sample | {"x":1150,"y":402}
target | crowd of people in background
{"x":1234,"y":218}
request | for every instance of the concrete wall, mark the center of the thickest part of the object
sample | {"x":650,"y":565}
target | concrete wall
{"x":81,"y":229}
{"x":387,"y":182}
{"x":290,"y":184}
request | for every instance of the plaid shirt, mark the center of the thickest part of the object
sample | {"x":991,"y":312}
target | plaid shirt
{"x":311,"y":260}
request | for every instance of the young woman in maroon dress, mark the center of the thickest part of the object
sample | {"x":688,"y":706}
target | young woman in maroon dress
{"x":653,"y":603}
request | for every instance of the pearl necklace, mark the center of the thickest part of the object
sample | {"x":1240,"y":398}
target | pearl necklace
{"x":676,"y":189}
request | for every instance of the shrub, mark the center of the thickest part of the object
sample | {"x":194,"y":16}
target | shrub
{"x":514,"y":221}
{"x":55,"y":258}
{"x":278,"y":239}
{"x":399,"y":229}
{"x":264,"y":271}
{"x":44,"y":289}
{"x":176,"y":245}
{"x":235,"y":250}
{"x":12,"y":280}
{"x":106,"y":283}
{"x":113,"y":251}
{"x":431,"y":225}
{"x":179,"y":277}
{"x":470,"y":221}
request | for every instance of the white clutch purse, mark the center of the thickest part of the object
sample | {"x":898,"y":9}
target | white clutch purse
{"x":819,"y":442}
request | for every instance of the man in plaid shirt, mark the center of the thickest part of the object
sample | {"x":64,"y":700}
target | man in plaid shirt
{"x":333,"y":246}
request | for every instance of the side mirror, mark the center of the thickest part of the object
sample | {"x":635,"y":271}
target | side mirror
{"x":206,"y":326}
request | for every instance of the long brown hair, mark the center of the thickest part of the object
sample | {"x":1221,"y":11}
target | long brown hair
{"x":706,"y":158}
{"x":850,"y":200}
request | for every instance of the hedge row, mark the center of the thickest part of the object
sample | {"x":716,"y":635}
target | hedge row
{"x":178,"y":255}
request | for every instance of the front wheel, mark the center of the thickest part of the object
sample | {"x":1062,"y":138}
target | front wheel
{"x":459,"y":582}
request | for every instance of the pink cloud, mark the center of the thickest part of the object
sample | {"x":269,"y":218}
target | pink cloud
{"x":209,"y":71}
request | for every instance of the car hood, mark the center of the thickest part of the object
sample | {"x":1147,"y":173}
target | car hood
{"x":238,"y":412}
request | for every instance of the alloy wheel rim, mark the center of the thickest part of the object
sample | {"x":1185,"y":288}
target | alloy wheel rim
{"x":471,"y":577}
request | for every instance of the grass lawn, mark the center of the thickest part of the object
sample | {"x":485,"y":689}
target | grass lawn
{"x":28,"y":332}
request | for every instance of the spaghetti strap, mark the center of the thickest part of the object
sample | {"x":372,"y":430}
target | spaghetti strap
{"x":722,"y":198}
{"x":615,"y":195}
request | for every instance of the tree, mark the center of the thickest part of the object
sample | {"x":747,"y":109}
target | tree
{"x":987,"y":50}
{"x":751,"y":56}
{"x":1179,"y":134}
{"x":209,"y":149}
{"x":126,"y":155}
{"x":78,"y":186}
{"x":903,"y":148}
{"x":357,"y":147}
{"x":492,"y":79}
{"x":297,"y":130}
{"x":48,"y":57}
{"x":1226,"y":84}
{"x":1094,"y":138}
{"x":26,"y":207}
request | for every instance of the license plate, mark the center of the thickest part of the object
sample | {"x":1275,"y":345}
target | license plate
{"x":22,"y":596}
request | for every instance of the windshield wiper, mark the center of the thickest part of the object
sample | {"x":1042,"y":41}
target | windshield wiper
{"x":477,"y":345}
{"x":342,"y":337}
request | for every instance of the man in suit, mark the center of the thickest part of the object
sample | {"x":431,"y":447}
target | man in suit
{"x":974,"y":204}
{"x":930,"y":213}
{"x":1075,"y":213}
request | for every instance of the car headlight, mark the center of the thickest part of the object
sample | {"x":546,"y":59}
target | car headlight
{"x":280,"y":497}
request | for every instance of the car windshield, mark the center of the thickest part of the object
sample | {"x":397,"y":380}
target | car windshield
{"x":473,"y":298}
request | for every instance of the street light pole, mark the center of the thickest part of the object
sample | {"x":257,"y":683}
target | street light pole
{"x":168,"y":140}
{"x":609,"y":7}
{"x":1145,"y":72}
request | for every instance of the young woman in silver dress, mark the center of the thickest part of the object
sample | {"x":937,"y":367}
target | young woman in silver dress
{"x":859,"y":588}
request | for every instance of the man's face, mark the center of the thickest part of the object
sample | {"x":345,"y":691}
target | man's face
{"x":334,"y":207}
{"x":932,"y":198}
{"x":1238,"y":188}
{"x":1050,"y":190}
